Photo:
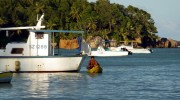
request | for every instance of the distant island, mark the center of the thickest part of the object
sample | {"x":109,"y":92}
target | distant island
{"x":159,"y":43}
{"x":110,"y":21}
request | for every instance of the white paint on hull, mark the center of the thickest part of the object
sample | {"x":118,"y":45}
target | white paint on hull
{"x":140,"y":51}
{"x":135,"y":50}
{"x":42,"y":64}
{"x":109,"y":53}
{"x":102,"y":52}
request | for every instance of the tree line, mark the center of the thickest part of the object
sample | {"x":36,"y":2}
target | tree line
{"x":110,"y":21}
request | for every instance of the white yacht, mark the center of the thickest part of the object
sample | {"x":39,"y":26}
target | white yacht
{"x":135,"y":50}
{"x":107,"y":53}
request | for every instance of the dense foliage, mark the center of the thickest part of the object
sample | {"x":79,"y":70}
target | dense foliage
{"x":110,"y":21}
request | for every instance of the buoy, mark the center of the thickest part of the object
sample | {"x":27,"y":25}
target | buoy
{"x":17,"y":66}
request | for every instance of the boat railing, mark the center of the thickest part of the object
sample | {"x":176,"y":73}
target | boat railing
{"x":58,"y":51}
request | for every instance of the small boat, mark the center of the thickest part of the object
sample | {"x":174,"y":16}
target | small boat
{"x":135,"y":50}
{"x":95,"y":69}
{"x":108,"y":53}
{"x":5,"y":77}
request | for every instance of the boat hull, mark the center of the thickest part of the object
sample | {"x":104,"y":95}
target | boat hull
{"x":96,"y":69}
{"x":41,"y":63}
{"x":6,"y":77}
{"x":135,"y":50}
{"x":108,"y":53}
{"x":140,"y":50}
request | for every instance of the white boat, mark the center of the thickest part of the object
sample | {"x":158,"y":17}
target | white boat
{"x":135,"y":50}
{"x":102,"y":52}
{"x":37,"y":54}
{"x":6,"y":77}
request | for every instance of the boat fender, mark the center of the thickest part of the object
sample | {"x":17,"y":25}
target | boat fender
{"x":150,"y":50}
{"x":17,"y":66}
{"x":130,"y":53}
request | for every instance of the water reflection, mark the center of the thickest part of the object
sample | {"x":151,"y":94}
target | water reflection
{"x":49,"y":85}
{"x":93,"y":75}
{"x":5,"y":85}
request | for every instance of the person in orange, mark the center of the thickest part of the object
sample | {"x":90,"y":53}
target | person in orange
{"x":92,"y":63}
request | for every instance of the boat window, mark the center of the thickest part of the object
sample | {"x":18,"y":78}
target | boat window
{"x":39,"y":35}
{"x":17,"y":50}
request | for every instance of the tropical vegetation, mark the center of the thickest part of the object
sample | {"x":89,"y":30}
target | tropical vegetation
{"x":101,"y":18}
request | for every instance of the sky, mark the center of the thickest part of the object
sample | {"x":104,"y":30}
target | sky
{"x":164,"y":12}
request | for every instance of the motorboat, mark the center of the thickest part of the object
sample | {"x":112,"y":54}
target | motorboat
{"x":134,"y":50}
{"x":37,"y":54}
{"x":6,"y":77}
{"x":107,"y":52}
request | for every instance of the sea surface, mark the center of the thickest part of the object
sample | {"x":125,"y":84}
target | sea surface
{"x":153,"y":76}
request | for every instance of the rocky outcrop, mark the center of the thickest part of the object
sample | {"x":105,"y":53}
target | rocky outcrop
{"x":173,"y":43}
{"x":160,"y":43}
{"x":94,"y":41}
{"x":166,"y":43}
{"x":178,"y":43}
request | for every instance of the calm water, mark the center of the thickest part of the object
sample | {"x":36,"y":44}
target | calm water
{"x":153,"y":76}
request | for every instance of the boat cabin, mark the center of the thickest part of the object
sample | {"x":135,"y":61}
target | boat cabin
{"x":36,"y":45}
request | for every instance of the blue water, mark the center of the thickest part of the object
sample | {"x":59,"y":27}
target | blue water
{"x":153,"y":76}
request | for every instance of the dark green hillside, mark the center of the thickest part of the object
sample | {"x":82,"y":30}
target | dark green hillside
{"x":102,"y":18}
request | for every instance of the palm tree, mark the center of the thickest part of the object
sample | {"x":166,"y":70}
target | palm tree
{"x":2,"y":21}
{"x":50,"y":25}
{"x":91,"y":26}
{"x":75,"y":15}
{"x":39,"y":7}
